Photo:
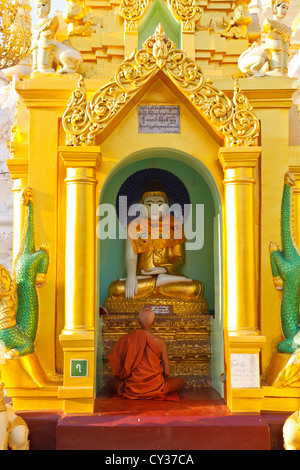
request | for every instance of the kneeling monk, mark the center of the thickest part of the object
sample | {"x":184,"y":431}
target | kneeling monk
{"x":139,"y":361}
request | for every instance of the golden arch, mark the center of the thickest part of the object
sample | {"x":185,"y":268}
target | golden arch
{"x":233,"y":122}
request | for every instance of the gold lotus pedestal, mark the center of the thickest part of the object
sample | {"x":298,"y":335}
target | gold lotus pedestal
{"x":183,"y":324}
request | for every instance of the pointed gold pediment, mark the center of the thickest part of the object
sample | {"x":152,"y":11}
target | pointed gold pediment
{"x":234,"y":121}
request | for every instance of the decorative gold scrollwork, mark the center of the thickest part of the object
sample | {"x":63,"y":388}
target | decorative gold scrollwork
{"x":243,"y":128}
{"x":132,"y":11}
{"x":233,"y":120}
{"x":76,"y":121}
{"x":186,"y":11}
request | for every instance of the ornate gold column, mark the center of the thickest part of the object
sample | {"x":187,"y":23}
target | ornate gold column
{"x":18,"y":168}
{"x":239,"y":181}
{"x":295,"y":168}
{"x":77,"y":338}
{"x":240,"y":290}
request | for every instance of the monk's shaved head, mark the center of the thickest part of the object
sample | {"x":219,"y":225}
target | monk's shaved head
{"x":146,"y":316}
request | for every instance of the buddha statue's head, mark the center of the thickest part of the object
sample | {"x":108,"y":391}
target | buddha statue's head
{"x":154,"y":200}
{"x":42,"y":8}
{"x":280,"y":8}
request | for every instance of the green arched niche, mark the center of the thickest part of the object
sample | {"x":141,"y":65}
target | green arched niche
{"x":204,"y":264}
{"x":159,"y":13}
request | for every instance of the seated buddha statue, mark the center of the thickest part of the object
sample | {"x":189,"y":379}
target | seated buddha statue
{"x":155,"y":254}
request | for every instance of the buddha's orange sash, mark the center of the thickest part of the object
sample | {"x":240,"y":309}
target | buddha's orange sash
{"x":147,"y":235}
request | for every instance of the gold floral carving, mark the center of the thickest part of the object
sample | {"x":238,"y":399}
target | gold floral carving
{"x":187,"y":12}
{"x":75,"y":120}
{"x":234,"y":121}
{"x":243,"y":128}
{"x":132,"y":11}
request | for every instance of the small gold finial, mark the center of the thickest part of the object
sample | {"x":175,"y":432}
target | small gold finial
{"x":160,"y":46}
{"x":160,"y":34}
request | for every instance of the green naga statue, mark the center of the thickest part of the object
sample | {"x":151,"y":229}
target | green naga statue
{"x":19,"y":308}
{"x":285,"y":265}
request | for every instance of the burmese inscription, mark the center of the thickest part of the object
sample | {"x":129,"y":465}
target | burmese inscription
{"x":162,"y":309}
{"x":244,"y":370}
{"x":159,"y":119}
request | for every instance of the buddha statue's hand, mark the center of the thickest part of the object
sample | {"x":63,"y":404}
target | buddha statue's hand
{"x":131,"y":286}
{"x":155,"y":270}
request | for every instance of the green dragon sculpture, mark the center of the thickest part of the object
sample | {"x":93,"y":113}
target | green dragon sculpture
{"x":19,"y":307}
{"x":285,"y":266}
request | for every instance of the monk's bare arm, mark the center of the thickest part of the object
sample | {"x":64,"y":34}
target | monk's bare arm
{"x":165,"y":358}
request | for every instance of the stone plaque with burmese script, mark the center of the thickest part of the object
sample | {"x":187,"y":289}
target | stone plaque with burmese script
{"x":244,"y":370}
{"x":162,"y":309}
{"x":159,"y":119}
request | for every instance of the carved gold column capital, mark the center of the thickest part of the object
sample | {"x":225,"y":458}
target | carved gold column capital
{"x":81,"y":157}
{"x":239,"y":164}
{"x":18,"y":169}
{"x":81,"y":164}
{"x":239,"y":157}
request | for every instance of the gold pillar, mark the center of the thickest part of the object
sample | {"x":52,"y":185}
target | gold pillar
{"x":241,"y":303}
{"x":240,"y":268}
{"x":295,"y":168}
{"x":18,"y":168}
{"x":78,"y":336}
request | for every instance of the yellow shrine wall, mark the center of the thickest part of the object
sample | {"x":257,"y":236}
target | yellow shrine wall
{"x":38,"y":162}
{"x":46,"y":174}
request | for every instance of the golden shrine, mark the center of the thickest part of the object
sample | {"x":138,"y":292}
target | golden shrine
{"x":233,"y":135}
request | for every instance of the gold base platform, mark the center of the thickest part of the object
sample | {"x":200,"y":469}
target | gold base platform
{"x":187,"y":336}
{"x":179,"y":306}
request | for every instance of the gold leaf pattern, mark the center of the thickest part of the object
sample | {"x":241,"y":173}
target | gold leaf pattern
{"x":234,"y":121}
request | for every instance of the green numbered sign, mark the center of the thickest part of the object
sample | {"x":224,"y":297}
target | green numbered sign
{"x":79,"y":368}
